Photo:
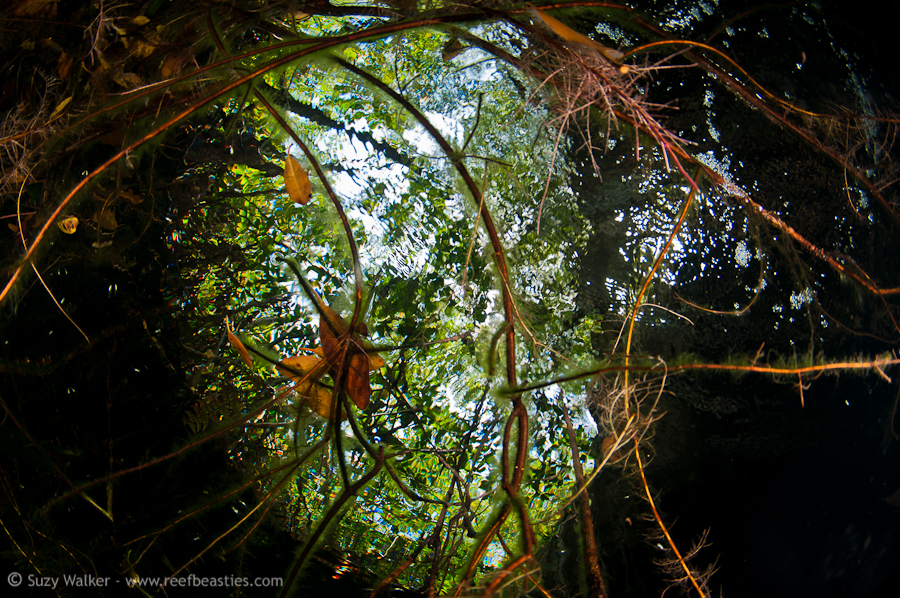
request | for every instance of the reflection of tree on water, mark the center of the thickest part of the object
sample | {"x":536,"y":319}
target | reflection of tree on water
{"x":777,"y":264}
{"x":741,"y":454}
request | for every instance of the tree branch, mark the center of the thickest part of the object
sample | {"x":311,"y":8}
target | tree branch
{"x":285,"y":100}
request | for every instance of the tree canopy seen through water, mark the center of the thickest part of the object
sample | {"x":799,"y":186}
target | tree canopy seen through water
{"x":472,"y":298}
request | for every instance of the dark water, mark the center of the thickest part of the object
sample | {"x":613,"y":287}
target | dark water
{"x":797,"y":499}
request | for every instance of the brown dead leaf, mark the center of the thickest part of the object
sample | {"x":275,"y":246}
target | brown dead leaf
{"x":106,"y":219}
{"x":128,"y":80}
{"x":356,"y":360}
{"x":59,"y":109}
{"x":301,"y":366}
{"x":296,"y":181}
{"x":238,"y":345}
{"x":131,"y":197}
{"x":43,"y":8}
{"x":174,"y":64}
{"x":64,"y":66}
{"x":304,"y":371}
{"x":607,"y":445}
{"x":141,"y":47}
{"x":452,"y":49}
{"x":26,"y":224}
{"x":580,"y":40}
